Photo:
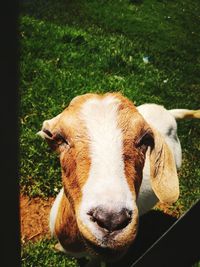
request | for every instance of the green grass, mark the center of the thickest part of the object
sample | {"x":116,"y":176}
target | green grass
{"x":42,"y":253}
{"x":196,"y":264}
{"x":69,"y":48}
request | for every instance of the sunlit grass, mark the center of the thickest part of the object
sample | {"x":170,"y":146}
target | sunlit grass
{"x":69,"y":48}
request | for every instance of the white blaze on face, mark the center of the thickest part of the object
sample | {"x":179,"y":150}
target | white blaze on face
{"x":106,"y":185}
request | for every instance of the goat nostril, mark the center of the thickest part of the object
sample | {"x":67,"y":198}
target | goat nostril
{"x":97,"y":215}
{"x":111,"y":221}
{"x":122,"y":219}
{"x":128,"y":213}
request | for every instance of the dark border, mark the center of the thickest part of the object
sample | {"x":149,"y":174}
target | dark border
{"x":178,"y":246}
{"x":9,"y":52}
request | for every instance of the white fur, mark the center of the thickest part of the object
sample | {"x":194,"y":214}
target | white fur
{"x":54,"y":211}
{"x":146,"y":199}
{"x":52,"y":221}
{"x":162,"y":120}
{"x":184,"y":113}
{"x":106,"y":185}
{"x":180,"y":113}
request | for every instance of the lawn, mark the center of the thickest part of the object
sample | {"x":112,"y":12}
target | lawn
{"x":68,"y":48}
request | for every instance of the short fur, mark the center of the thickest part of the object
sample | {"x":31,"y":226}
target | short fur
{"x":104,"y":163}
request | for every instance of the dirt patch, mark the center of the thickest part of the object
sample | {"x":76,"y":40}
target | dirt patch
{"x":34,"y":218}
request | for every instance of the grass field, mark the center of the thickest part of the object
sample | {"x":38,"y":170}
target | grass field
{"x":72,"y":47}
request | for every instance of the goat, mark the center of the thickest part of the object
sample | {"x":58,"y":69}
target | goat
{"x":117,"y":162}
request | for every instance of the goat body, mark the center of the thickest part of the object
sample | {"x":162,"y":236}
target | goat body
{"x":117,"y":162}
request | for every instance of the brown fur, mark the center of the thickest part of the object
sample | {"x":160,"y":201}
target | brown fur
{"x":164,"y":178}
{"x":66,"y":228}
{"x":132,"y":125}
{"x":75,"y":164}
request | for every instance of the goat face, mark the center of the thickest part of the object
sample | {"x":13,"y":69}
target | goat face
{"x":102,"y":141}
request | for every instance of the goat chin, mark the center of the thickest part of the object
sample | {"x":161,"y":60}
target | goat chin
{"x":110,"y":247}
{"x":104,"y":253}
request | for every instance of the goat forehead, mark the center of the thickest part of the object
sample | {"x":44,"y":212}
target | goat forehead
{"x":109,"y":121}
{"x":106,"y":152}
{"x":100,"y":118}
{"x":96,"y":109}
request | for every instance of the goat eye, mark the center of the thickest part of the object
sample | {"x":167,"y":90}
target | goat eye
{"x":47,"y":132}
{"x":60,"y":140}
{"x":145,"y":141}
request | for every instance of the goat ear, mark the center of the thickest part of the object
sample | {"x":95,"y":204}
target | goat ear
{"x":47,"y":128}
{"x":164,"y":179}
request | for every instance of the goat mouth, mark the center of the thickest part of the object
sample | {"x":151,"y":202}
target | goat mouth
{"x":108,"y":248}
{"x":105,"y":244}
{"x":104,"y":252}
